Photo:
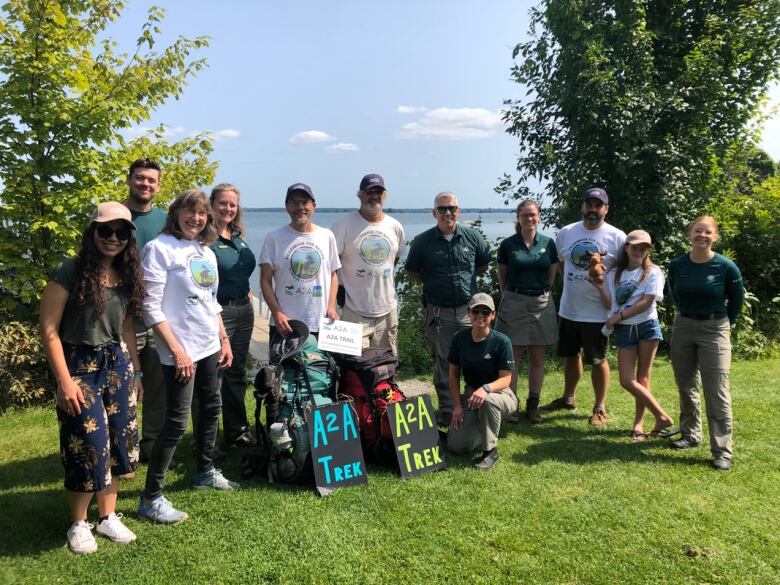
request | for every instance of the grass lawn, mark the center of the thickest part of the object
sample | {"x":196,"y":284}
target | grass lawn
{"x":566,"y":504}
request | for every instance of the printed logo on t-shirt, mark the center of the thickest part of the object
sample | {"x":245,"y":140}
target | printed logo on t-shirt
{"x":624,"y":291}
{"x":203,"y":272}
{"x":580,"y":252}
{"x":305,"y":261}
{"x":374,"y":248}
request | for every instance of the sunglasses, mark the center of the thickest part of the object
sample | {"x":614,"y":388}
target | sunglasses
{"x":445,"y":208}
{"x":484,"y":312}
{"x":122,"y":233}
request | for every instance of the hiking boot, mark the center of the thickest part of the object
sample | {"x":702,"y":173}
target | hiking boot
{"x":488,"y":460}
{"x":513,"y":418}
{"x":682,"y":444}
{"x":80,"y":538}
{"x":113,"y":529}
{"x":599,"y":417}
{"x":245,"y":439}
{"x":532,"y":411}
{"x":160,"y":510}
{"x":213,"y":478}
{"x":721,"y":464}
{"x":560,"y":404}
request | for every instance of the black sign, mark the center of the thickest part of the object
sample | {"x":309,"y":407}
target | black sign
{"x":415,"y":436}
{"x":336,"y":452}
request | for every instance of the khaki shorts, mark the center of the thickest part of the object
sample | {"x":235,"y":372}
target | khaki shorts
{"x":527,"y":320}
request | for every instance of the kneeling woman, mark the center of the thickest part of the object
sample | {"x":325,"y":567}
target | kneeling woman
{"x":485,"y":358}
{"x":87,"y":329}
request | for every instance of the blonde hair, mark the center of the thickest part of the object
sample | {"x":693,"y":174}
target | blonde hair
{"x":238,"y":221}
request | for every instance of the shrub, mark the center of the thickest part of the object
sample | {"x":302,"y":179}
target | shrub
{"x":24,"y":372}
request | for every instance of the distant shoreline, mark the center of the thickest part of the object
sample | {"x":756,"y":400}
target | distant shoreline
{"x":389,"y":209}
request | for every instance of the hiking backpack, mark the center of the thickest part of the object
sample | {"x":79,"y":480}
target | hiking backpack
{"x":303,"y":378}
{"x":369,"y":380}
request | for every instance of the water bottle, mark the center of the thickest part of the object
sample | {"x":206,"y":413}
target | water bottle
{"x":280,"y":437}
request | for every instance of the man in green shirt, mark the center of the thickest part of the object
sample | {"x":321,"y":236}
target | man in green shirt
{"x":446,"y":259}
{"x":143,"y":182}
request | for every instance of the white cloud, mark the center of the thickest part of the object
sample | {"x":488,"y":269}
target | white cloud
{"x":311,"y":136}
{"x":452,"y":124}
{"x":227,"y":133}
{"x":342,"y":147}
{"x":411,"y":109}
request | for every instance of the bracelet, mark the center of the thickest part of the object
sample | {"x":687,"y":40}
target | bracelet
{"x":487,"y":388}
{"x":621,"y":315}
{"x":138,"y":374}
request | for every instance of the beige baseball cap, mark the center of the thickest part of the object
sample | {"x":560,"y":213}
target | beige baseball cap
{"x":639,"y":237}
{"x":111,"y":210}
{"x":482,"y":299}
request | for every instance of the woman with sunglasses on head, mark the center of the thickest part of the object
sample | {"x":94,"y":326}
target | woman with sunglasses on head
{"x":630,"y":292}
{"x":180,"y":274}
{"x":708,"y":294}
{"x":484,"y":357}
{"x":235,"y":264}
{"x":527,"y":263}
{"x":87,"y":330}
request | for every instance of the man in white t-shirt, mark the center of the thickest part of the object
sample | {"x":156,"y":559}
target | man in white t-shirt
{"x":369,"y":244}
{"x":582,"y":315}
{"x":298,"y":265}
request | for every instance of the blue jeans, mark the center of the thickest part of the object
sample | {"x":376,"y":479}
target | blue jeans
{"x":205,"y":384}
{"x":628,"y":336}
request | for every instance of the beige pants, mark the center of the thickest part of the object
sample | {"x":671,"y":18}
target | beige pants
{"x":701,"y":352}
{"x":480,"y":427}
{"x":377,"y":331}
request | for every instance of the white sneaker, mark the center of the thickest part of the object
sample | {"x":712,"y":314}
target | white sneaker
{"x":213,"y":478}
{"x":80,"y":538}
{"x":113,"y":529}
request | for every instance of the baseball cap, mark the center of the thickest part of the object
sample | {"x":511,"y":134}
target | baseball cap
{"x":302,"y":187}
{"x":109,"y":211}
{"x":483,"y":299}
{"x":639,"y":237}
{"x":596,"y":193}
{"x":370,"y":181}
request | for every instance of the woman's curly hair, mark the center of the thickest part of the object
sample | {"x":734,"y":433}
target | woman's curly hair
{"x":88,"y":271}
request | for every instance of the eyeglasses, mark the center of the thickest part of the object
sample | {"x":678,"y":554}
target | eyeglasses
{"x":445,"y":208}
{"x":122,"y":233}
{"x":484,"y":312}
{"x":527,"y":215}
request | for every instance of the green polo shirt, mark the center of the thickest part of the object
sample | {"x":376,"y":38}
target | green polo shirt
{"x":706,"y":288}
{"x":480,"y":361}
{"x":148,"y":225}
{"x":235,"y":263}
{"x":528,"y":268}
{"x":448,"y":268}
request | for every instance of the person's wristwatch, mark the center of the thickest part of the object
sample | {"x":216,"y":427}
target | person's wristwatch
{"x":487,"y":388}
{"x":138,"y":375}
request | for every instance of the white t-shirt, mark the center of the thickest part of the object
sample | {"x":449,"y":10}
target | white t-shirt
{"x":181,"y":282}
{"x":368,"y":252}
{"x":303,"y":265}
{"x":629,"y":291}
{"x":580,"y":300}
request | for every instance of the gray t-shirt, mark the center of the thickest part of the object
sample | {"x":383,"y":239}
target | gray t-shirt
{"x":80,"y":325}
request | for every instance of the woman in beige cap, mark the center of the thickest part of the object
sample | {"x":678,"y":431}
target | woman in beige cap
{"x":87,"y":330}
{"x":630,"y":292}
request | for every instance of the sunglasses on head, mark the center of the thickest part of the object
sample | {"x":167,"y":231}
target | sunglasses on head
{"x":484,"y":311}
{"x":122,"y":233}
{"x":445,"y":208}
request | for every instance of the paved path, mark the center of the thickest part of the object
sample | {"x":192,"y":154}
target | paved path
{"x":258,"y":347}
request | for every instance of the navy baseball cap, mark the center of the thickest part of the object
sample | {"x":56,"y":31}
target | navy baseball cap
{"x":299,"y":188}
{"x":371,"y":181}
{"x":596,"y":193}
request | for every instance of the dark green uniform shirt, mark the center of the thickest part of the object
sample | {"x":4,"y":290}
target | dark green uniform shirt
{"x":480,"y":361}
{"x":147,"y":225}
{"x":80,"y":325}
{"x":235,"y":263}
{"x":448,"y":268}
{"x":706,"y":288}
{"x":527,"y":269}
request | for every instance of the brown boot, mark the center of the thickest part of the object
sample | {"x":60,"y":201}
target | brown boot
{"x":532,"y":411}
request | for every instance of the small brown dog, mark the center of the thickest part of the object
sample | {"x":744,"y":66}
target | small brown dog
{"x":596,"y":269}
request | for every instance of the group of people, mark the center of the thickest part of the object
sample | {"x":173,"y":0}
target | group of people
{"x":159,"y":305}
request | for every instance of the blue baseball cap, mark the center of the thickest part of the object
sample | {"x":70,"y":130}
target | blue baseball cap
{"x":370,"y":181}
{"x":299,"y":188}
{"x":596,"y":193}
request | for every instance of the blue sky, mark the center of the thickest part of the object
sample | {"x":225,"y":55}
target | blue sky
{"x":325,"y":92}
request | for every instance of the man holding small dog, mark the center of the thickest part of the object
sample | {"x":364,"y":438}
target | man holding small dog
{"x":582,"y":315}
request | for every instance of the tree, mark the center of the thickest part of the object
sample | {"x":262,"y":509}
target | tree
{"x":65,"y":99}
{"x":647,"y":98}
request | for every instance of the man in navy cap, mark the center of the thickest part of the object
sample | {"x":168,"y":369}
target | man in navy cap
{"x":369,"y":244}
{"x":582,"y":315}
{"x":298,"y":265}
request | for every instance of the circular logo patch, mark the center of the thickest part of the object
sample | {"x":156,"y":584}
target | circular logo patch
{"x":203,"y":272}
{"x":580,"y":253}
{"x":374,"y":249}
{"x":305,"y":263}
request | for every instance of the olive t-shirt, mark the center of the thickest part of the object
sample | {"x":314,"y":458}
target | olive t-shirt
{"x":80,"y":325}
{"x":480,"y":361}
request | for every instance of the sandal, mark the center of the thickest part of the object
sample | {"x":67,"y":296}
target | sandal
{"x":638,"y":435}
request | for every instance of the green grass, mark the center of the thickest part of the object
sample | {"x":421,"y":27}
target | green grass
{"x":566,"y":504}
